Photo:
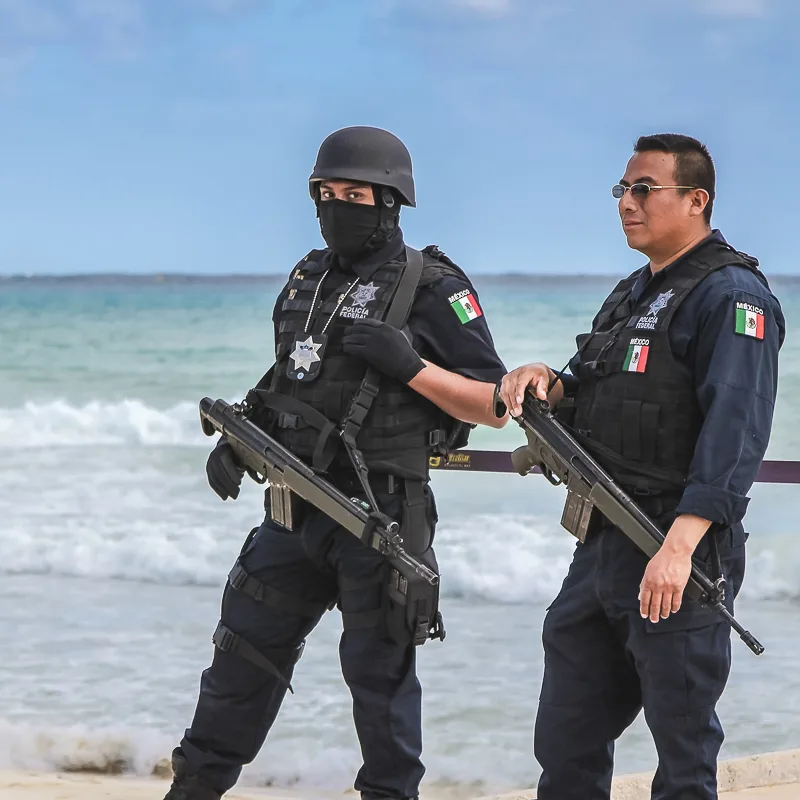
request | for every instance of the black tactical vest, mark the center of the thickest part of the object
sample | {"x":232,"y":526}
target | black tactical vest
{"x":636,"y":408}
{"x":402,"y":428}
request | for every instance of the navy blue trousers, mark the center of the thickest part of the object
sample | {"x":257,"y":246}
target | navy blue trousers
{"x":603,"y":664}
{"x":239,"y":701}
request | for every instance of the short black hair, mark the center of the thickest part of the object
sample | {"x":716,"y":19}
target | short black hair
{"x":693,"y":164}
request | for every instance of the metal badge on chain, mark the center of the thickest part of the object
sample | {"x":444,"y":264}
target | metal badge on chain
{"x":309,"y":348}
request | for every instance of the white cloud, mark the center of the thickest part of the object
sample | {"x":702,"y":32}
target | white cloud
{"x":222,"y":6}
{"x":748,"y":9}
{"x":12,"y":64}
{"x":29,"y":19}
{"x":117,"y":27}
{"x":117,"y":24}
{"x":743,"y":9}
{"x":495,"y":8}
{"x":32,"y":22}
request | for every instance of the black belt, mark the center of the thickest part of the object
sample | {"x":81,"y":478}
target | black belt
{"x":349,"y":484}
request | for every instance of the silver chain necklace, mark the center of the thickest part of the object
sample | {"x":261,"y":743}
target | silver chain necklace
{"x":335,"y":311}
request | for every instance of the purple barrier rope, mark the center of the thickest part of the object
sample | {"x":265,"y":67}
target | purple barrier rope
{"x":499,"y":461}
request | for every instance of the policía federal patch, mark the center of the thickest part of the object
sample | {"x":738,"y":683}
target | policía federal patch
{"x":749,"y":320}
{"x":465,"y":305}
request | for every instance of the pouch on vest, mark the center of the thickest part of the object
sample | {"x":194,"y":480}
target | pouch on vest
{"x":411,"y":604}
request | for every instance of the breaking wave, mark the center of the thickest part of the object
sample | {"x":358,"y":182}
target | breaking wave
{"x":59,"y":423}
{"x":149,"y":515}
{"x":295,"y":762}
{"x":500,"y":559}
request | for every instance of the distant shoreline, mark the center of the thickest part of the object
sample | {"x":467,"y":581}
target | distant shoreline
{"x":177,"y":278}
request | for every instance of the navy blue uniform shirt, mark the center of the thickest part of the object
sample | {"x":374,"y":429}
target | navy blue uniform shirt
{"x":438,"y":333}
{"x":736,"y":381}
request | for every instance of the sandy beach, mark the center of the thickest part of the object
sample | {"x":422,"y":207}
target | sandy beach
{"x":769,"y":776}
{"x":66,"y":786}
{"x":31,"y":786}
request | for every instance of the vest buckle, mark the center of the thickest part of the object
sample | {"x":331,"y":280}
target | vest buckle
{"x":290,"y":421}
{"x":369,"y":388}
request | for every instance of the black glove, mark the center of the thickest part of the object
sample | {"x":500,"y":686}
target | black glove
{"x":384,"y":347}
{"x":224,"y":473}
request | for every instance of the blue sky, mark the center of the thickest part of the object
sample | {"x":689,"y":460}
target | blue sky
{"x":178,"y":135}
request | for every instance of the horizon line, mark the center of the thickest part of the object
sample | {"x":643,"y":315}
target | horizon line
{"x":183,"y":276}
{"x":163,"y":277}
{"x":251,"y":277}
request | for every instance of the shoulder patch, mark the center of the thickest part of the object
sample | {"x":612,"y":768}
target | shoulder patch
{"x":465,"y":305}
{"x":749,"y":320}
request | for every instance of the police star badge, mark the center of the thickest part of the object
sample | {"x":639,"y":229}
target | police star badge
{"x":364,"y":294}
{"x":307,"y":357}
{"x":361,"y":296}
{"x":660,"y":302}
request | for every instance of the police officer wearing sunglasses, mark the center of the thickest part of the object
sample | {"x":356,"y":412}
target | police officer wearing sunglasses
{"x":673,"y":392}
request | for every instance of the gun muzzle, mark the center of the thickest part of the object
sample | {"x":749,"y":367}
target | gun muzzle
{"x":752,"y":643}
{"x":422,"y":570}
{"x":523,"y":460}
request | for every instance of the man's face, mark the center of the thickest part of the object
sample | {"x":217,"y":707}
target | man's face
{"x":349,"y":191}
{"x":662,"y":216}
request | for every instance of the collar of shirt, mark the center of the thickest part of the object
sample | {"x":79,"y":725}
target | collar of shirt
{"x":365,"y":268}
{"x":645,"y":276}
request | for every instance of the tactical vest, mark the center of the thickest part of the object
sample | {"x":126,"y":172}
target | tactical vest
{"x":636,"y":409}
{"x":402,"y":429}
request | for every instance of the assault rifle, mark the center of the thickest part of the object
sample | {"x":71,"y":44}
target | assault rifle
{"x":265,"y":459}
{"x":562,"y":460}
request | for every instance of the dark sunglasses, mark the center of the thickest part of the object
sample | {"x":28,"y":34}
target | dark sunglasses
{"x":641,"y":190}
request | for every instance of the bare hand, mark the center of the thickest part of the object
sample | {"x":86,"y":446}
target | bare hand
{"x":661,"y":590}
{"x":514,"y":384}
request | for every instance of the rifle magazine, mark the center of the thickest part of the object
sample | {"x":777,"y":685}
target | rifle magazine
{"x":280,"y":499}
{"x":578,"y":515}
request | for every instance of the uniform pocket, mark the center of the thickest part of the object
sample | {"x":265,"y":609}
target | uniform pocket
{"x":691,"y":616}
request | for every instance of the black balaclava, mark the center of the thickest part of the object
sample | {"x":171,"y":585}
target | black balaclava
{"x":354,"y":230}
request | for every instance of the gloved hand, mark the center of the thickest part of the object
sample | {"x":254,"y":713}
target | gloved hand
{"x":384,"y":347}
{"x":223,"y":471}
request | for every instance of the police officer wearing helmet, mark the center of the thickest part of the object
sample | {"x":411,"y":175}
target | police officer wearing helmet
{"x":673,"y":392}
{"x":383,"y":360}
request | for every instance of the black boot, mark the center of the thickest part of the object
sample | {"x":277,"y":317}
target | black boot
{"x":185,"y":786}
{"x":191,"y":788}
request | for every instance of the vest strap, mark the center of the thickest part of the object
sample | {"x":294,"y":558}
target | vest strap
{"x":289,"y":407}
{"x":396,"y":316}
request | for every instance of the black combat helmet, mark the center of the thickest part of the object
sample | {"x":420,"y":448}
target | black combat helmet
{"x":367,"y":155}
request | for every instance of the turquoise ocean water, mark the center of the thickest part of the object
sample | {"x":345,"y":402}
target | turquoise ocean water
{"x":113,"y":551}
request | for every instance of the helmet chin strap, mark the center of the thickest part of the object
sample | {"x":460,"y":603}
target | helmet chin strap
{"x":386,"y":202}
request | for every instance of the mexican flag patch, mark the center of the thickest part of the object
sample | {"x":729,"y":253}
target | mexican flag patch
{"x":465,"y":305}
{"x":636,"y":357}
{"x":749,"y":320}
